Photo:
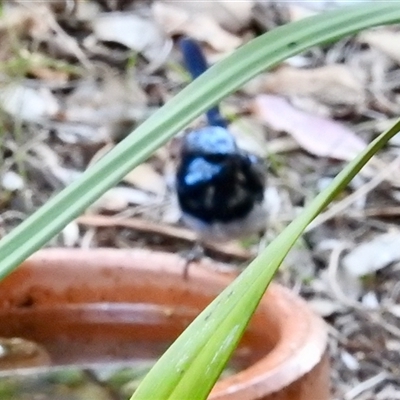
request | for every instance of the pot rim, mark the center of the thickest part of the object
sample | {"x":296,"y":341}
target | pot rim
{"x":299,"y":349}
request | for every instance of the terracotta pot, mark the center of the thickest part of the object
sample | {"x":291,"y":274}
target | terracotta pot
{"x":105,"y":304}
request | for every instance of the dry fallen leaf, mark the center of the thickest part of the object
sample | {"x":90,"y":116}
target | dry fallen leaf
{"x":300,"y":260}
{"x":119,"y":198}
{"x":319,"y":136}
{"x":250,"y":135}
{"x":28,"y":104}
{"x":231,"y":15}
{"x":374,"y":255}
{"x":299,"y":11}
{"x":343,"y":287}
{"x":41,"y":25}
{"x":70,"y":234}
{"x":374,"y":68}
{"x":43,"y":157}
{"x":385,"y":40}
{"x":350,"y":361}
{"x":49,"y":75}
{"x":25,"y":20}
{"x":135,"y":32}
{"x":177,"y":20}
{"x":334,"y":86}
{"x":11,"y":181}
{"x":370,"y":300}
{"x":325,"y":307}
{"x":95,"y":111}
{"x":145,"y":177}
{"x":83,"y":133}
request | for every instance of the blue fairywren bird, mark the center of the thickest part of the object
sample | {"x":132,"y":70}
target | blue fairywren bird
{"x":220,"y":188}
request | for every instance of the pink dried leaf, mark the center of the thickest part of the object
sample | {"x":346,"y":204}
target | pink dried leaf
{"x":317,"y":135}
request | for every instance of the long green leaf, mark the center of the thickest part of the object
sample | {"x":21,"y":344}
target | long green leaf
{"x":222,"y":79}
{"x":192,"y":364}
{"x":203,"y":349}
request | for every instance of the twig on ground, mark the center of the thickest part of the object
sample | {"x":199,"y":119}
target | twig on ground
{"x":366,"y":385}
{"x":225,"y":249}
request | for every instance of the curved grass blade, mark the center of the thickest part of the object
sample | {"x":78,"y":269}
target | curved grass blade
{"x":220,"y":80}
{"x":203,"y":349}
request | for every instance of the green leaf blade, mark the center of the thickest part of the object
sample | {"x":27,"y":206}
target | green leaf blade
{"x":220,"y":80}
{"x":228,"y":315}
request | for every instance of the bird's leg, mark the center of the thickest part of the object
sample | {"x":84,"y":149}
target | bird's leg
{"x":262,"y":242}
{"x":196,"y":253}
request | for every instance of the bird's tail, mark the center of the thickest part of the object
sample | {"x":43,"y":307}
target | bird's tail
{"x":196,"y":64}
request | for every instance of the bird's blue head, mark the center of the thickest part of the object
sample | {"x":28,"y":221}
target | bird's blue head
{"x":210,"y":140}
